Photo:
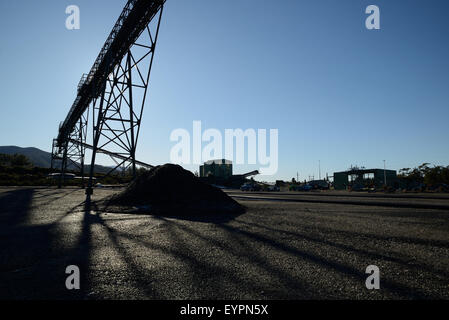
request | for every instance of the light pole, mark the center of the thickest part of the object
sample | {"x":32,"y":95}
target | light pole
{"x":319,"y":169}
{"x":385,"y":175}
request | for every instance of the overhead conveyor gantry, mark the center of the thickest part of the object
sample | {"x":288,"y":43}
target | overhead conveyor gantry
{"x":115,"y":90}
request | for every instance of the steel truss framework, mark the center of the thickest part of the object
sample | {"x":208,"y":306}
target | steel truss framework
{"x":71,"y":154}
{"x":117,"y":109}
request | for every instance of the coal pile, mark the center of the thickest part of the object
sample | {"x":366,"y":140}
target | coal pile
{"x":170,"y":189}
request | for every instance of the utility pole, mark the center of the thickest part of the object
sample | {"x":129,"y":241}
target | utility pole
{"x":385,"y":174}
{"x":319,"y":169}
{"x":297,"y":176}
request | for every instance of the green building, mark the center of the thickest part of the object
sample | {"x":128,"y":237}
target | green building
{"x":221,"y":168}
{"x":364,"y":178}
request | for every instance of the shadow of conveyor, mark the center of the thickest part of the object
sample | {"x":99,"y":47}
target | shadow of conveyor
{"x":241,"y":240}
{"x":34,"y":257}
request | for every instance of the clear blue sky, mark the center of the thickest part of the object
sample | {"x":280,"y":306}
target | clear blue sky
{"x":336,"y":91}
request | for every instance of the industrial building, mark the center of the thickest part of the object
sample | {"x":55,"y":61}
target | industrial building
{"x":221,"y":168}
{"x":358,"y":178}
{"x":219,"y":172}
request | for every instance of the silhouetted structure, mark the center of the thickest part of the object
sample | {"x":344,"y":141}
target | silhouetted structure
{"x":219,"y":168}
{"x":115,"y":90}
{"x":360,"y":178}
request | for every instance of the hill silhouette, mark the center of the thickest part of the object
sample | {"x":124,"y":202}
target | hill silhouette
{"x":37,"y":157}
{"x":42,"y":159}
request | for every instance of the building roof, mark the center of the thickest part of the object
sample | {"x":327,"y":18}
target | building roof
{"x":218,"y":161}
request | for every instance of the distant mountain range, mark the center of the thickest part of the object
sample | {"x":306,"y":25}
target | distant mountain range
{"x":41,"y":158}
{"x":38,"y":157}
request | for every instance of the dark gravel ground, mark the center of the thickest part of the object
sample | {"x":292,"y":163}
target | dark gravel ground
{"x":276,"y":250}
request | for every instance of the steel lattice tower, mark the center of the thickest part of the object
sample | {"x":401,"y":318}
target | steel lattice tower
{"x":112,"y":96}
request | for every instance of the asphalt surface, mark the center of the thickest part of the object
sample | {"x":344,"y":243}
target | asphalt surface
{"x":276,"y":250}
{"x":426,"y":201}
